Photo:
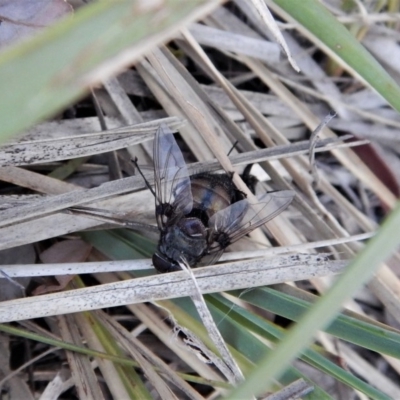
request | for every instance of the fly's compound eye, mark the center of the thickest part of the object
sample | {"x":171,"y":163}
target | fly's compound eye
{"x":162,"y":264}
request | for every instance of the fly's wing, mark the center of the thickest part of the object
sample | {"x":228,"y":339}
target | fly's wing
{"x":172,"y":182}
{"x":211,"y":257}
{"x":230,"y":224}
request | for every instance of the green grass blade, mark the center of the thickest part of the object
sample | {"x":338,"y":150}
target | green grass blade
{"x":362,"y":332}
{"x":244,"y":346}
{"x":243,"y":319}
{"x":320,"y":315}
{"x":120,"y":244}
{"x":42,"y":75}
{"x":128,"y":375}
{"x":314,"y":17}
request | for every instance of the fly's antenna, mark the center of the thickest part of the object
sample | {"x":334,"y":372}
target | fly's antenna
{"x":134,"y":160}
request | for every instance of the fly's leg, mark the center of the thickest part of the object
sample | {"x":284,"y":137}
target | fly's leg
{"x":134,"y":161}
{"x":248,"y":179}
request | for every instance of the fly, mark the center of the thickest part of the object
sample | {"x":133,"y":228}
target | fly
{"x":199,"y":216}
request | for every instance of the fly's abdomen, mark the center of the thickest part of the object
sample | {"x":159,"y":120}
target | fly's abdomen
{"x":211,"y":193}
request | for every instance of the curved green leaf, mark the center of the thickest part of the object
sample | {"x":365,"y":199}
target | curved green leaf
{"x":245,"y":320}
{"x":324,"y":311}
{"x":370,"y":335}
{"x":42,"y":75}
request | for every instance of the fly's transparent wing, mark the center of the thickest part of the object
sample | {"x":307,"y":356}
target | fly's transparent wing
{"x":211,"y":257}
{"x":172,"y":182}
{"x":230,"y":224}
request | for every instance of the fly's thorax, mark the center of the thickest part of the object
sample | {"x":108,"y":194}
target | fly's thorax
{"x":187,"y":239}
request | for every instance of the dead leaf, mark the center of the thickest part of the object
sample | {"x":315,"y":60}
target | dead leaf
{"x":66,"y":251}
{"x":12,"y":288}
{"x":62,"y":252}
